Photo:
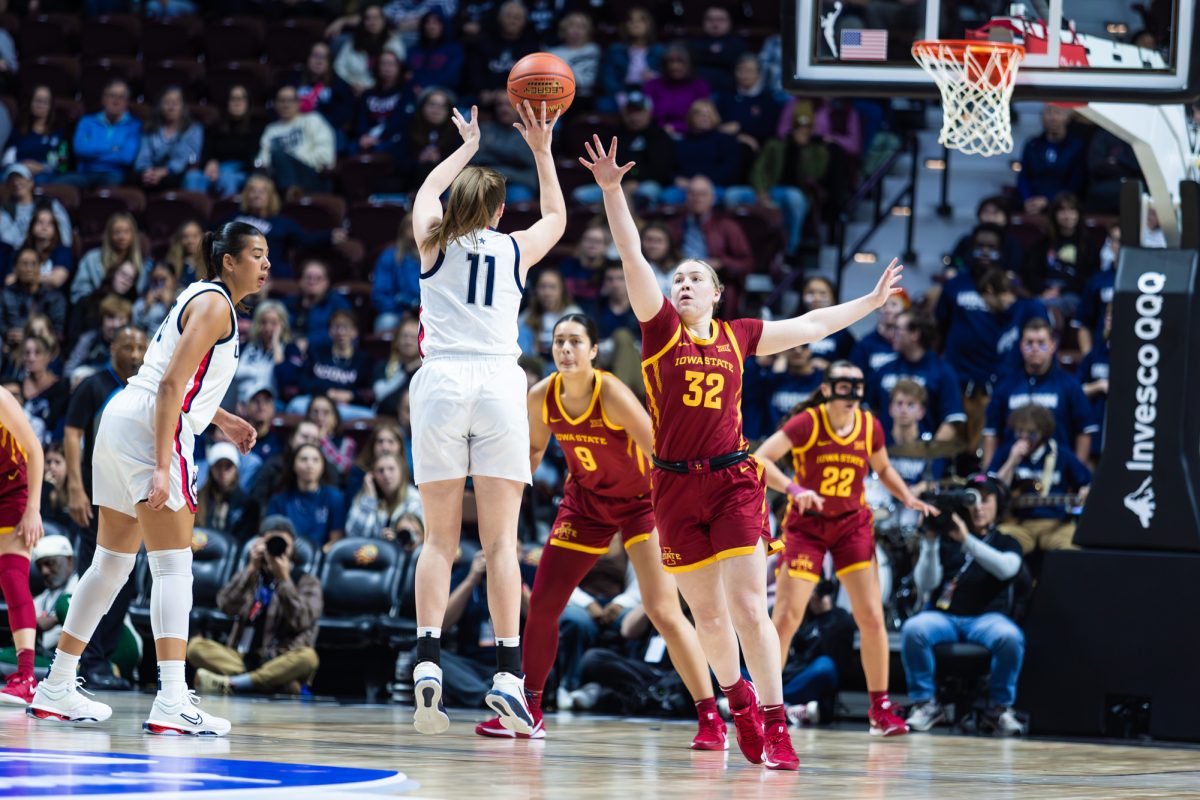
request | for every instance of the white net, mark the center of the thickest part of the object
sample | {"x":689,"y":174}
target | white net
{"x":976,"y":80}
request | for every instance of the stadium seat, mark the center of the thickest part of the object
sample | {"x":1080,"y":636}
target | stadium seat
{"x":233,"y":39}
{"x":60,"y":73}
{"x":95,"y":208}
{"x":187,"y":74}
{"x":400,"y":629}
{"x":99,"y":72}
{"x":68,"y":196}
{"x":166,"y":212}
{"x":111,"y":36}
{"x":962,"y":669}
{"x":214,"y":554}
{"x":47,"y":35}
{"x":288,"y":41}
{"x":176,"y":38}
{"x":359,"y":578}
{"x":317,"y":212}
{"x":375,"y":224}
{"x":223,"y":209}
{"x":357,"y":175}
{"x":223,"y":76}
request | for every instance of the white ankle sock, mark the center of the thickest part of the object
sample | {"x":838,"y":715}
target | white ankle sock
{"x":62,"y":669}
{"x":171,"y":684}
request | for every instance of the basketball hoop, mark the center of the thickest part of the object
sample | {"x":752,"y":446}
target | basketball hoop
{"x":976,"y":80}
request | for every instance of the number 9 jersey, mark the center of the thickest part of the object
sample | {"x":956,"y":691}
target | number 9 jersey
{"x":471,"y":298}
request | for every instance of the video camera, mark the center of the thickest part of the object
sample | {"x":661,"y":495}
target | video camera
{"x":954,"y":500}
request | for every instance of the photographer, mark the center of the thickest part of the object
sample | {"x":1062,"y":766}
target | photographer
{"x":270,"y":647}
{"x":966,"y":570}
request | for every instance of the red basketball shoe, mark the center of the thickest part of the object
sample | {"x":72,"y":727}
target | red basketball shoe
{"x":778,"y":752}
{"x":712,"y":734}
{"x":884,"y":721}
{"x":495,"y":730}
{"x":19,"y":690}
{"x":748,"y":722}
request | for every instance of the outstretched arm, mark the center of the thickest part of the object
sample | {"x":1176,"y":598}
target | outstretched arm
{"x":427,"y":207}
{"x":644,"y":293}
{"x":780,"y":335}
{"x":545,"y":233}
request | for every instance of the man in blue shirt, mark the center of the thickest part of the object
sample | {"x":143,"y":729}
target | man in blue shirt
{"x":918,"y":363}
{"x":1044,"y":383}
{"x":1049,"y":475}
{"x":106,"y":143}
{"x":1051,"y":163}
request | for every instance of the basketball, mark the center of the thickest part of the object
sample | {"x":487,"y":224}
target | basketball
{"x":541,"y":76}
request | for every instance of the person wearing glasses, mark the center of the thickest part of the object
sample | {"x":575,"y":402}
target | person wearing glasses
{"x":915,"y":361}
{"x":106,"y":143}
{"x":298,"y":146}
{"x":1040,"y":381}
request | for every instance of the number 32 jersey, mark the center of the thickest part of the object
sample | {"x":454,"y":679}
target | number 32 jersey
{"x":694,"y":386}
{"x":471,"y":297}
{"x":832,"y":466}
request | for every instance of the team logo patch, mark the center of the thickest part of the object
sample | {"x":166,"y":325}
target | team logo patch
{"x":565,"y":531}
{"x":367,"y":554}
{"x":670,"y":558}
{"x":860,"y":445}
{"x":724,"y":348}
{"x":802,"y":563}
{"x":597,"y":423}
{"x":199,"y":540}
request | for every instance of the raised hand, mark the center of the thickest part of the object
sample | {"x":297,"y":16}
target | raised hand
{"x":468,"y":129}
{"x":888,"y":284}
{"x":535,"y":130}
{"x":603,"y":166}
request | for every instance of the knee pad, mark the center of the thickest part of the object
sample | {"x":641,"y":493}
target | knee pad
{"x":96,"y":591}
{"x":171,"y":593}
{"x":14,"y":582}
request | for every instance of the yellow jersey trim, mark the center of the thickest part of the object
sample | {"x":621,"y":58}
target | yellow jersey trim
{"x":575,"y":421}
{"x":853,"y":432}
{"x":715,"y":331}
{"x":853,"y":568}
{"x":582,"y":548}
{"x":641,"y":537}
{"x":671,"y":343}
{"x":730,"y":553}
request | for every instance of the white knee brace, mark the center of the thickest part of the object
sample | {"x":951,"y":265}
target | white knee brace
{"x":171,"y":593}
{"x":96,"y":591}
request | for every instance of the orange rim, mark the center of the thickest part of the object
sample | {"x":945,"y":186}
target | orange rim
{"x":957,"y":48}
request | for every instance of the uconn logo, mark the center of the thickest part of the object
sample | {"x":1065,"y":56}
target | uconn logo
{"x":1148,"y":328}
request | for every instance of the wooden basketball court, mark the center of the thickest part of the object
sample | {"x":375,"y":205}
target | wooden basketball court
{"x":596,"y":757}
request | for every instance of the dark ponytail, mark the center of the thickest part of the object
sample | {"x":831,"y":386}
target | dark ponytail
{"x":229,"y":239}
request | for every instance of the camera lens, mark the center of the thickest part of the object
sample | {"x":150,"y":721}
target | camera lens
{"x":276,"y":546}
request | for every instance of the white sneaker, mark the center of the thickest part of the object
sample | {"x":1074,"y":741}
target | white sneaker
{"x":430,"y":715}
{"x":925,"y":715}
{"x":182,"y":718}
{"x":507,"y":699}
{"x":804,"y":714}
{"x":1005,"y":722}
{"x":586,"y":696}
{"x":66,"y":703}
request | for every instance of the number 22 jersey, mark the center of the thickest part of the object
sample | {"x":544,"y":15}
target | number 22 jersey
{"x":694,"y":386}
{"x":471,"y":297}
{"x":830,"y":465}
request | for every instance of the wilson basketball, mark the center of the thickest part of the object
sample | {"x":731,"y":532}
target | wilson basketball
{"x":541,"y":76}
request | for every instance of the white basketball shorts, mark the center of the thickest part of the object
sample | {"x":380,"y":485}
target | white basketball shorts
{"x":469,"y":417}
{"x":123,"y":459}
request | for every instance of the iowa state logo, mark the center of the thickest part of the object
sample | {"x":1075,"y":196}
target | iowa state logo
{"x":565,"y":531}
{"x":802,"y":563}
{"x":670,"y":558}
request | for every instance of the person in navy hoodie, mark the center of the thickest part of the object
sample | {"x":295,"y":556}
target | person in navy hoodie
{"x":917,"y":362}
{"x":776,"y":387}
{"x":1041,"y":381}
{"x":1098,"y":292}
{"x":1093,"y":374}
{"x":436,"y":59}
{"x":313,"y":307}
{"x":875,"y":349}
{"x":339,"y":370}
{"x":106,"y":143}
{"x":1051,"y":162}
{"x":389,"y":102}
{"x":981,"y":317}
{"x":316,"y":508}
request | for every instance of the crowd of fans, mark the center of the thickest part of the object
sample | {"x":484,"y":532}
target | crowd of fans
{"x":1008,"y":352}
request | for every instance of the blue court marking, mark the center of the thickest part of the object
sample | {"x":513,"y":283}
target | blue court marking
{"x":57,"y":773}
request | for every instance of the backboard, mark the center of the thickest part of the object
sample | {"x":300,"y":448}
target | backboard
{"x":1076,"y":50}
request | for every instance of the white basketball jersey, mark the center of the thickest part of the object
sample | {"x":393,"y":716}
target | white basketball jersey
{"x":206,"y":389}
{"x":471,"y":296}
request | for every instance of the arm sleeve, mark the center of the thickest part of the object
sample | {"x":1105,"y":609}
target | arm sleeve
{"x":85,"y":144}
{"x":928,"y":573}
{"x":1002,"y":564}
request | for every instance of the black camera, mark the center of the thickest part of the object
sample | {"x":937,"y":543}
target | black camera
{"x":276,"y":546}
{"x":948,"y":502}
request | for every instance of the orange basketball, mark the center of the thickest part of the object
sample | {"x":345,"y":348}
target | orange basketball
{"x":541,"y":76}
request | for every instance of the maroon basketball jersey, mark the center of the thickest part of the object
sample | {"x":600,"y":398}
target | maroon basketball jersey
{"x":694,"y":386}
{"x":832,"y":466}
{"x":601,"y":455}
{"x":14,"y":482}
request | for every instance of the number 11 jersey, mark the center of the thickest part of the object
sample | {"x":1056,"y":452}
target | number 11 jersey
{"x":471,"y":297}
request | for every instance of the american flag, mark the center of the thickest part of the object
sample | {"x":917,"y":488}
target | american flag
{"x":864,"y":45}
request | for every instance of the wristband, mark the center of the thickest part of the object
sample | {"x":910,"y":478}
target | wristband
{"x":795,"y":490}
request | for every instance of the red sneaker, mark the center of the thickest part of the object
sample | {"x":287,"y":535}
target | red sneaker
{"x":884,"y":721}
{"x":778,"y":752}
{"x":495,"y":730}
{"x":748,"y":722}
{"x":19,"y":690}
{"x":712,"y":733}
